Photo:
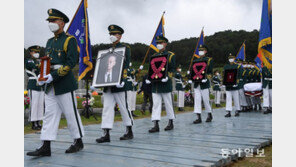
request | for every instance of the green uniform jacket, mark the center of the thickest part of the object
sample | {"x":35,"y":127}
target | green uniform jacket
{"x":62,"y":50}
{"x":216,"y":81}
{"x":241,"y":81}
{"x":233,"y":66}
{"x":266,"y":73}
{"x":33,"y":66}
{"x":179,"y":81}
{"x":127,"y":58}
{"x":205,"y":85}
{"x":165,"y":87}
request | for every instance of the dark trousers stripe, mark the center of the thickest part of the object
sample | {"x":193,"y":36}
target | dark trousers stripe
{"x":129,"y":114}
{"x":75,"y":112}
{"x":173,"y":97}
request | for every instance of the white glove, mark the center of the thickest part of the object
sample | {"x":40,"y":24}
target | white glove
{"x":190,"y":81}
{"x":204,"y":80}
{"x":120,"y":85}
{"x":188,"y":72}
{"x":40,"y":83}
{"x":164,"y":79}
{"x":141,"y":67}
{"x":147,"y":81}
{"x":92,"y":88}
{"x":234,"y":85}
{"x":49,"y":78}
{"x":135,"y":83}
{"x":183,"y":86}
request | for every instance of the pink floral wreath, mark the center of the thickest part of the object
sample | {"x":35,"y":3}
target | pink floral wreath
{"x":200,"y":72}
{"x":157,"y":71}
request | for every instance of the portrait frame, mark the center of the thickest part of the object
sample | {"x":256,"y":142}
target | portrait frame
{"x":102,"y":66}
{"x":227,"y":74}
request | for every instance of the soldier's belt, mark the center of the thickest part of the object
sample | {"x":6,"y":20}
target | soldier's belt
{"x":56,"y":66}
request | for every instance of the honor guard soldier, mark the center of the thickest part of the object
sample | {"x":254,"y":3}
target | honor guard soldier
{"x":60,"y":86}
{"x":216,"y":88}
{"x":232,"y":89}
{"x":241,"y":83}
{"x":180,"y":88}
{"x":147,"y":94}
{"x":132,"y":87}
{"x":201,"y":90}
{"x":117,"y":94}
{"x":267,"y":89}
{"x":162,"y":90}
{"x":247,"y":79}
{"x":36,"y":92}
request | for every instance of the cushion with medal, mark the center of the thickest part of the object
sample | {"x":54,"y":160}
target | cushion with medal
{"x":198,"y":71}
{"x":158,"y":68}
{"x":230,"y":77}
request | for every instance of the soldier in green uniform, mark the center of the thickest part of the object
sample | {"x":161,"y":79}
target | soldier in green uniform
{"x":241,"y":83}
{"x":163,"y":90}
{"x":117,"y":94}
{"x":201,"y":90}
{"x":60,"y":86}
{"x":232,"y":90}
{"x":180,"y":88}
{"x":247,"y":79}
{"x":216,"y":88}
{"x":132,"y":87}
{"x":36,"y":92}
{"x":267,"y":89}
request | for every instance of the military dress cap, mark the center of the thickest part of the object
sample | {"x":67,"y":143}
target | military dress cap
{"x":34,"y":48}
{"x":56,"y":14}
{"x":161,"y":39}
{"x":203,"y":47}
{"x":231,"y":56}
{"x":115,"y":29}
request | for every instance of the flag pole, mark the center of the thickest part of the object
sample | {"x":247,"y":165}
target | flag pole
{"x":195,"y":49}
{"x":74,"y":15}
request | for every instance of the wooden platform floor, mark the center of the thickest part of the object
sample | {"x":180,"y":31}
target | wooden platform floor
{"x":187,"y":145}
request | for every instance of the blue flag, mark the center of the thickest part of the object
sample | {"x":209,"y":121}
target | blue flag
{"x":258,"y":62}
{"x":265,"y":34}
{"x":199,"y":42}
{"x":159,"y":32}
{"x":79,"y":28}
{"x":241,"y":55}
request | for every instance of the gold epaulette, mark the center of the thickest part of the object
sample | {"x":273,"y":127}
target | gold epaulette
{"x":172,"y":54}
{"x":62,"y":71}
{"x":67,"y":42}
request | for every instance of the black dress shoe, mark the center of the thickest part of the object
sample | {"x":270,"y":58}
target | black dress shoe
{"x":128,"y":135}
{"x":44,"y":150}
{"x":76,"y":146}
{"x":180,"y":109}
{"x":236,"y":113}
{"x":228,"y":114}
{"x":198,"y":120}
{"x":170,"y":125}
{"x":210,"y":117}
{"x":105,"y":138}
{"x":155,"y":128}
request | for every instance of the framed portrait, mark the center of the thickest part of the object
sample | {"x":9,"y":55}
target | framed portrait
{"x":158,"y":68}
{"x":108,"y":68}
{"x":230,"y":77}
{"x":198,"y":71}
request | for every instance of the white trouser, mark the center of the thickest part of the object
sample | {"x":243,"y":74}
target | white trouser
{"x":131,"y":100}
{"x":37,"y":105}
{"x":267,"y":97}
{"x":110,"y":99}
{"x":242,"y":98}
{"x":55,"y":105}
{"x":157,"y":104}
{"x":217,"y":96}
{"x":199,"y":95}
{"x":229,"y":95}
{"x":181,"y":95}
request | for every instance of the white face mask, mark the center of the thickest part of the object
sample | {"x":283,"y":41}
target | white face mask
{"x":231,"y":60}
{"x":159,"y":46}
{"x":53,"y":27}
{"x":36,"y":55}
{"x":201,"y":53}
{"x":113,"y":38}
{"x":130,"y":64}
